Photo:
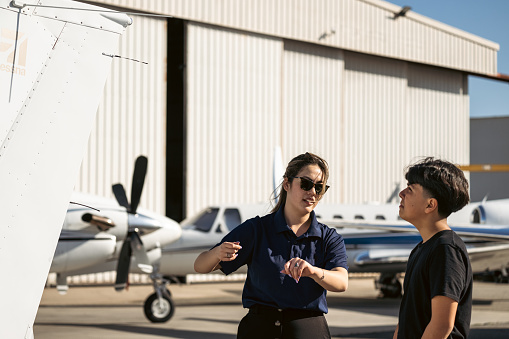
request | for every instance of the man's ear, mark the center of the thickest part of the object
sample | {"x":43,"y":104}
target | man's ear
{"x":432,"y":205}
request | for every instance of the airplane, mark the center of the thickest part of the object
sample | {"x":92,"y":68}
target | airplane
{"x":53,"y":67}
{"x":118,"y":236}
{"x":370,"y":250}
{"x":372,"y":245}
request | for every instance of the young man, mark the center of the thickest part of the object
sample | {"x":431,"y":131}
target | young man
{"x":437,"y":300}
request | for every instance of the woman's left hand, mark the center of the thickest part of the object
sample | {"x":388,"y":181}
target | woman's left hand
{"x":297,"y":268}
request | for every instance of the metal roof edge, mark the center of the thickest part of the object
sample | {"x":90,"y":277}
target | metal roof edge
{"x":434,"y":23}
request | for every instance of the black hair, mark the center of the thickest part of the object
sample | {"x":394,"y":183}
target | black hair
{"x":443,"y":181}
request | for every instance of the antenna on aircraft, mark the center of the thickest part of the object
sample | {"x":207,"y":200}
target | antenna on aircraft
{"x":92,"y":208}
{"x":121,"y":57}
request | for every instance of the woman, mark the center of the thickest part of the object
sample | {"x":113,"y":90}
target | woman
{"x":293,"y":260}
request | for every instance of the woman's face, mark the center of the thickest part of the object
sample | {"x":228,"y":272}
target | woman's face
{"x":299,"y":200}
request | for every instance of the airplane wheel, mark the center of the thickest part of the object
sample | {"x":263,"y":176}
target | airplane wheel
{"x":391,"y":287}
{"x":159,"y":311}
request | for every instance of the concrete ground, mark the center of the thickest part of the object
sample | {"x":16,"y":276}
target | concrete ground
{"x":213,"y":310}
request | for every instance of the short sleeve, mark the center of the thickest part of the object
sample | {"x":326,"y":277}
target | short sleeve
{"x":335,"y":251}
{"x":447,"y":272}
{"x":245,"y":234}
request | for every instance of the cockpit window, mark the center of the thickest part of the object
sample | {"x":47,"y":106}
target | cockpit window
{"x":231,"y":218}
{"x":203,"y":222}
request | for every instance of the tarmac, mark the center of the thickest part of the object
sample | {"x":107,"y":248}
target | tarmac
{"x":213,"y":310}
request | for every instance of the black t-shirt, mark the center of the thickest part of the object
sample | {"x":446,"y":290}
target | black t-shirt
{"x":440,"y":266}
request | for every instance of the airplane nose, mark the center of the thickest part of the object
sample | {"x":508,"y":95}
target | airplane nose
{"x":171,"y":231}
{"x":156,"y":230}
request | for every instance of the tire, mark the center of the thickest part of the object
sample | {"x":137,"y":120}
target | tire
{"x":158,"y":312}
{"x":391,"y":287}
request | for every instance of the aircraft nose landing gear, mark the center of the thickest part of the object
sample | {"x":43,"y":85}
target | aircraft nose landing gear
{"x":159,"y":306}
{"x":389,"y":285}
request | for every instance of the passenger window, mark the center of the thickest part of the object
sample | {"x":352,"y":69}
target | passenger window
{"x":337,"y":216}
{"x":359,"y":217}
{"x":204,"y":221}
{"x":232,"y":218}
{"x":380,"y":217}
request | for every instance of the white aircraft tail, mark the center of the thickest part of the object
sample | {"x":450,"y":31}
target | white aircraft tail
{"x":277,"y":170}
{"x":53,"y":67}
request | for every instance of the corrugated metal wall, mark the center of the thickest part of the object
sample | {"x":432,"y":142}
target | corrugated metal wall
{"x":369,"y":116}
{"x":438,"y":113}
{"x":233,"y":103}
{"x":489,"y":145}
{"x":396,"y":112}
{"x":312,"y":113}
{"x":366,"y":26}
{"x":375,"y":116}
{"x":131,"y":119}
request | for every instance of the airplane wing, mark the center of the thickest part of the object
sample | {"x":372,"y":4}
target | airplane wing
{"x":53,"y":67}
{"x":487,"y":245}
{"x":485,"y":232}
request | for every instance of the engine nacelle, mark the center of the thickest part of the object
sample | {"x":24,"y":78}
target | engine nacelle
{"x":491,"y":213}
{"x":77,"y":252}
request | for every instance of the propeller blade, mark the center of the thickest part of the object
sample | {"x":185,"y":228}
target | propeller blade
{"x":124,"y":260}
{"x":140,"y":253}
{"x":119,"y":192}
{"x":140,"y":170}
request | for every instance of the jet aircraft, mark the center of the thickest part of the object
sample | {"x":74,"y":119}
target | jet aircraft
{"x":372,"y":245}
{"x":377,"y":240}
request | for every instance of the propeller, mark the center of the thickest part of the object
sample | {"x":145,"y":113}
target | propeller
{"x":132,"y":243}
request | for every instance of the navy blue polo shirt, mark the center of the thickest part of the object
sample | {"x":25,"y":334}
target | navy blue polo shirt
{"x":267,"y":244}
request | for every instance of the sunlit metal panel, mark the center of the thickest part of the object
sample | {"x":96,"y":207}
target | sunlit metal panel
{"x":131,"y":119}
{"x":367,"y":26}
{"x":382,"y":98}
{"x":396,"y":113}
{"x":311,"y":115}
{"x":233,"y":100}
{"x":438,"y":114}
{"x":374,"y":106}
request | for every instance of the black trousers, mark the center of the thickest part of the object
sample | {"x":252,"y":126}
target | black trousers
{"x":263,"y":322}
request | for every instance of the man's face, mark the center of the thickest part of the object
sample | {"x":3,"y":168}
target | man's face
{"x":414,"y":201}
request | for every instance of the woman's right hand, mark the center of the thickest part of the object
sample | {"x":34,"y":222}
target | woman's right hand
{"x":209,"y":261}
{"x":227,"y":251}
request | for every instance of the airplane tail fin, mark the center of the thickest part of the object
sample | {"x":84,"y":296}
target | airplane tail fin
{"x":53,"y":69}
{"x":277,"y":171}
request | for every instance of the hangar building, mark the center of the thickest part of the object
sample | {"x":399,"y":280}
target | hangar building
{"x":216,"y":85}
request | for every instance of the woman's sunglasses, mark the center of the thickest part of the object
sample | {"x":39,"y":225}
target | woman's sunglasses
{"x":306,"y":184}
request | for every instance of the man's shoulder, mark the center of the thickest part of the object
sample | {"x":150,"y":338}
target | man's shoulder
{"x":450,"y":238}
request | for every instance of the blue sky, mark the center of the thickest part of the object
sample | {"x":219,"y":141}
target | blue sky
{"x":487,"y":19}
